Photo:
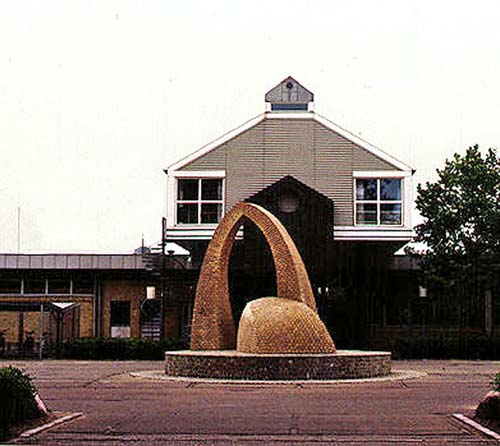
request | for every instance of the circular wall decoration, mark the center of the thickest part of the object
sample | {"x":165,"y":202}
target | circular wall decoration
{"x":288,"y":203}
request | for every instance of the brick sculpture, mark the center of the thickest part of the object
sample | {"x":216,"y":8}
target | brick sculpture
{"x":272,"y":325}
{"x":212,"y":325}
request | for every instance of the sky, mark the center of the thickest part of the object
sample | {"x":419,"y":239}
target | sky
{"x":98,"y":97}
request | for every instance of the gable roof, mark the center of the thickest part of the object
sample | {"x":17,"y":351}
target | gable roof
{"x":399,"y":165}
{"x":286,"y":182}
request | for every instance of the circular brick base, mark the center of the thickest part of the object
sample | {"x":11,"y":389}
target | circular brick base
{"x":229,"y":364}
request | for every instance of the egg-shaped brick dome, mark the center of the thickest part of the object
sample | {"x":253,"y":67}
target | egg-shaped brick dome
{"x":274,"y":325}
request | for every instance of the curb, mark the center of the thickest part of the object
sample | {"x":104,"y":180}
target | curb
{"x":396,"y":375}
{"x":57,"y":421}
{"x":484,"y":430}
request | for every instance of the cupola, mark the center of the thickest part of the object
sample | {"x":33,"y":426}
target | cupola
{"x":289,"y":95}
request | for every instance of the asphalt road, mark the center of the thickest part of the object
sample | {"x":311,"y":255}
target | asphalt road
{"x":121,"y":409}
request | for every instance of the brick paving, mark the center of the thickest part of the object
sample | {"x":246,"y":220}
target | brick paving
{"x":120,"y":409}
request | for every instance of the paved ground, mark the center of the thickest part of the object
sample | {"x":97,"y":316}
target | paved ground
{"x":120,"y":409}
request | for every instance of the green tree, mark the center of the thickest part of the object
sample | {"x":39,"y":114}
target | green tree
{"x":461,"y":227}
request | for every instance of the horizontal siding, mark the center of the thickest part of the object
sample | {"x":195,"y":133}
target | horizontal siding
{"x":313,"y":154}
{"x":214,"y":160}
{"x":288,"y":149}
{"x":364,"y":160}
{"x":245,"y":165}
{"x":334,"y":160}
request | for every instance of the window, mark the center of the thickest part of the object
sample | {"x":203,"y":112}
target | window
{"x":378,"y":201}
{"x":120,"y":313}
{"x":83,"y":286}
{"x":199,"y":201}
{"x":34,"y":286}
{"x":10,"y":286}
{"x":289,"y":107}
{"x":59,"y":286}
{"x":120,"y":319}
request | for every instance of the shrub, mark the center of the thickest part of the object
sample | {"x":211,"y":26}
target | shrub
{"x":118,"y":348}
{"x":17,"y":399}
{"x":446,"y":347}
{"x":495,"y":383}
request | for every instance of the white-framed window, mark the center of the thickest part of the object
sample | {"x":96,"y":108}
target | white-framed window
{"x":199,"y":201}
{"x":378,"y":201}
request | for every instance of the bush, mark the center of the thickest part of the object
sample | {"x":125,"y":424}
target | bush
{"x":446,"y":347}
{"x":17,"y":399}
{"x":495,"y":383}
{"x":118,"y":348}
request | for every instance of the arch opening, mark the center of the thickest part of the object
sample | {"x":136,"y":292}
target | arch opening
{"x":252,"y":272}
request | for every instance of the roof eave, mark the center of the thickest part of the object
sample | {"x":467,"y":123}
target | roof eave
{"x":364,"y":144}
{"x":215,"y":143}
{"x":277,"y":115}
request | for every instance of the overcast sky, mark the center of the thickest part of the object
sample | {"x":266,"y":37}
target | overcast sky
{"x":97,"y":98}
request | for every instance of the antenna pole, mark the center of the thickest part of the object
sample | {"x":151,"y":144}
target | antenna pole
{"x":18,"y":229}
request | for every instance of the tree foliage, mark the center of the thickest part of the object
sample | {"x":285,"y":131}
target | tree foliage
{"x":461,"y":226}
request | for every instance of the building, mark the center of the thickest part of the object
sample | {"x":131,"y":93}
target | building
{"x":346,"y":203}
{"x":76,"y":295}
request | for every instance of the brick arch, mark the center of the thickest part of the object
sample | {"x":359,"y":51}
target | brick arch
{"x":213,"y":325}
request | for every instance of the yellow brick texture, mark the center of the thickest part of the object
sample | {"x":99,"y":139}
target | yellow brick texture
{"x":32,"y":324}
{"x":9,"y":320}
{"x":9,"y":324}
{"x":123,"y":290}
{"x":279,"y":326}
{"x":86,"y":319}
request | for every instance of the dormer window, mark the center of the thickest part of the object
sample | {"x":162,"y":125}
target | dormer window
{"x":199,"y":200}
{"x":378,"y":201}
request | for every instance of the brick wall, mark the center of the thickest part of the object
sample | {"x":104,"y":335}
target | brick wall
{"x":9,"y":324}
{"x":123,"y":290}
{"x":86,"y":319}
{"x":9,"y":320}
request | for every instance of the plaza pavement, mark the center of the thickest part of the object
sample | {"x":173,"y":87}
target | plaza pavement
{"x":120,"y":409}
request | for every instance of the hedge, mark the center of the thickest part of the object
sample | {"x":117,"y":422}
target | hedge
{"x":416,"y":347}
{"x":118,"y":348}
{"x":17,"y":399}
{"x":445,"y":347}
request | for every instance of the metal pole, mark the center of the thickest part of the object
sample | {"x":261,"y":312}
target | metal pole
{"x":40,"y":353}
{"x":163,"y":263}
